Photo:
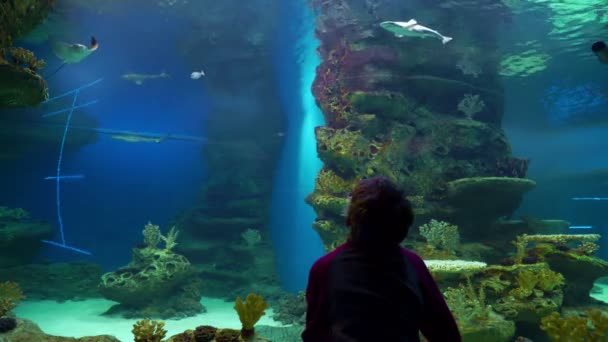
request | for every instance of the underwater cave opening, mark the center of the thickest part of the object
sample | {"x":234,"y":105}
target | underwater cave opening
{"x":295,"y":242}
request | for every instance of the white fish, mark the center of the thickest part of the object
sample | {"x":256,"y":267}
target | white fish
{"x":412,"y":29}
{"x":140,"y":78}
{"x":197,"y":74}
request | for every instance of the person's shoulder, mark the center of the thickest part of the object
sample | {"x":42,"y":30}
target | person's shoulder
{"x":412,"y":257}
{"x":324,"y":261}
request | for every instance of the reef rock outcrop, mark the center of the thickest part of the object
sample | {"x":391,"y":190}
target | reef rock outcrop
{"x":429,"y":121}
{"x":156,"y":283}
{"x":20,"y":236}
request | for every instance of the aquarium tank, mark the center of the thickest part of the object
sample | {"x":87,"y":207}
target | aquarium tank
{"x":170,"y":170}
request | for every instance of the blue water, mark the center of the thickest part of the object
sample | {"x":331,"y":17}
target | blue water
{"x":297,"y":245}
{"x":125,"y":184}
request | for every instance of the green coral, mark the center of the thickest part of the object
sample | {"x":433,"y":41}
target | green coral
{"x":22,"y":58}
{"x":441,"y":235}
{"x":329,"y":206}
{"x":392,"y":106}
{"x":152,"y":235}
{"x":149,"y":331}
{"x":591,"y":326}
{"x":328,"y":182}
{"x":10,"y":296}
{"x":342,"y":150}
{"x":466,"y":304}
{"x":549,"y":280}
{"x":332,"y":233}
{"x":18,"y":18}
{"x":526,"y":281}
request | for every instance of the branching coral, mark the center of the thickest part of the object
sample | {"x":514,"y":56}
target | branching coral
{"x":250,"y":312}
{"x":523,"y":240}
{"x":591,"y":326}
{"x":152,"y":235}
{"x":471,"y":105}
{"x":527,"y":281}
{"x":252,"y":237}
{"x":441,"y":234}
{"x":466,"y":304}
{"x":149,"y":331}
{"x":171,"y":238}
{"x":10,"y":296}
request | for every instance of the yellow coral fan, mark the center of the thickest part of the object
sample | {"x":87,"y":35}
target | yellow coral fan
{"x":549,"y":280}
{"x":149,"y":331}
{"x":251,"y":311}
{"x":10,"y":296}
{"x":592,"y":327}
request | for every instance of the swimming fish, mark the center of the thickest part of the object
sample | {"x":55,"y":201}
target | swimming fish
{"x":195,"y":75}
{"x":71,"y":53}
{"x":411,"y":28}
{"x":132,"y":138}
{"x":140,"y":78}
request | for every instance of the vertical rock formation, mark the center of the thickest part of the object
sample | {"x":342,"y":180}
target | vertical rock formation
{"x":422,"y":113}
{"x":243,"y":125}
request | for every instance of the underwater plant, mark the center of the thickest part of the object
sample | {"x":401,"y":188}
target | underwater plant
{"x":10,"y":296}
{"x":149,"y":331}
{"x":250,"y":313}
{"x":590,"y":326}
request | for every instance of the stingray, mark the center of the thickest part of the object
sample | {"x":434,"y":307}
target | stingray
{"x":70,"y":53}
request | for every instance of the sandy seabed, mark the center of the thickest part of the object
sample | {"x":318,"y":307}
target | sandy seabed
{"x":83,"y":318}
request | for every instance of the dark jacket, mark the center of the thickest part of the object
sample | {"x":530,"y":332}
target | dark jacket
{"x":354,"y":295}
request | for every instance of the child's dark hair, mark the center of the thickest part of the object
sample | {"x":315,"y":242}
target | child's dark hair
{"x":378,"y":213}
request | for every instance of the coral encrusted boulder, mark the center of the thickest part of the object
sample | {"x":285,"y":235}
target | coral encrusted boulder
{"x":156,"y":283}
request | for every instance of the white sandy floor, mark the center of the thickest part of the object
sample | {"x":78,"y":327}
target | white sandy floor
{"x":83,"y":318}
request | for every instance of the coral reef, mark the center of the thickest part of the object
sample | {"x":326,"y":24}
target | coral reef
{"x":590,"y":326}
{"x":441,"y":235}
{"x":250,"y":312}
{"x":380,"y":119}
{"x":156,"y":283}
{"x":10,"y":296}
{"x":20,"y":236}
{"x":290,"y":309}
{"x":149,"y":331}
{"x":20,"y":85}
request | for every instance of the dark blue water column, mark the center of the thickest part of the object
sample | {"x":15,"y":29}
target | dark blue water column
{"x":126,"y":184}
{"x":297,"y":245}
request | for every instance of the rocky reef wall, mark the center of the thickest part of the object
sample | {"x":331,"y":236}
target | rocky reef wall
{"x":423,"y":113}
{"x":227,"y":228}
